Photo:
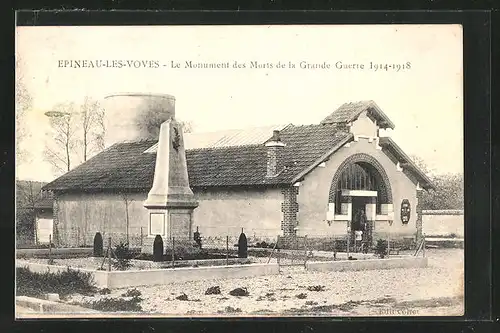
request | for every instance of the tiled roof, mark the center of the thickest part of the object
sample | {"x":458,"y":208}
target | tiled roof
{"x":227,"y":138}
{"x":126,"y":166}
{"x":348,"y":112}
{"x":45,"y":203}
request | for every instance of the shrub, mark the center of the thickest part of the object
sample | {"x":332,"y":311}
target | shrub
{"x":301,"y":296}
{"x":182,"y":297}
{"x":259,"y":253}
{"x":104,"y":291}
{"x":229,"y":309}
{"x":116,"y":304}
{"x":186,"y":251}
{"x":263,"y":244}
{"x":381,"y":248}
{"x":213,"y":291}
{"x":123,"y":256}
{"x":316,"y":288}
{"x":132,"y":293}
{"x":63,"y":283}
{"x":239,"y":292}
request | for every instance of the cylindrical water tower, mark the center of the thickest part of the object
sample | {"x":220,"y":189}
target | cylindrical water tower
{"x":135,"y":116}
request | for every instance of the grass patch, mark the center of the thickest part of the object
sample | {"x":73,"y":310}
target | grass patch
{"x":229,"y":309}
{"x":112,"y":304}
{"x":63,"y":283}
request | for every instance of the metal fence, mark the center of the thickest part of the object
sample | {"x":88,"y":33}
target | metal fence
{"x":138,"y":238}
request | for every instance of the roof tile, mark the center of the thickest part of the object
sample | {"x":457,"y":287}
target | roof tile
{"x":126,"y":166}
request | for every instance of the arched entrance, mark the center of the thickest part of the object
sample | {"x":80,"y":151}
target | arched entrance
{"x":359,"y":190}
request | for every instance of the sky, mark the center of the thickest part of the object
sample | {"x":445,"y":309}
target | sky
{"x":421,"y":92}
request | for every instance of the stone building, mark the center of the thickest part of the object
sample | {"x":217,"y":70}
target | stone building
{"x":313,"y":180}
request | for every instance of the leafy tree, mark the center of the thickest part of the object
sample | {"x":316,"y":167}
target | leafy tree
{"x":449,"y":192}
{"x":28,"y":195}
{"x":149,"y":122}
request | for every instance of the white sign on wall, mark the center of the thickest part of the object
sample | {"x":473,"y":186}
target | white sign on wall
{"x":157,"y":224}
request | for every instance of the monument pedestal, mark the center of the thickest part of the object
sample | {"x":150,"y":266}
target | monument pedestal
{"x":170,"y":201}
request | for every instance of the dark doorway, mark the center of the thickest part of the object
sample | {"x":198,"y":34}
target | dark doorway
{"x":360,"y":224}
{"x":358,"y":212}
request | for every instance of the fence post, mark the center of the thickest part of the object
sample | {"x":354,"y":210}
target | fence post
{"x":227,"y":249}
{"x":278,"y":260}
{"x":50,"y":247}
{"x":334,"y":249}
{"x":35,"y":231}
{"x":109,"y":254}
{"x":423,"y":245}
{"x":305,"y":249}
{"x":272,"y":252}
{"x":388,"y":246}
{"x":173,"y":252}
{"x":141,"y":239}
{"x":347,"y":246}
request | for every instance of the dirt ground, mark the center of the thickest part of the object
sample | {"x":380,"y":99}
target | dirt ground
{"x":435,"y":290}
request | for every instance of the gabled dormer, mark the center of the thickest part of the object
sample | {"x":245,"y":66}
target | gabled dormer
{"x":362,"y":119}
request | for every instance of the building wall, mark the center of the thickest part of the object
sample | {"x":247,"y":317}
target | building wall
{"x":220,"y":213}
{"x":224,"y":212}
{"x":364,"y":126}
{"x":314,"y":192}
{"x":443,"y":223}
{"x":80,"y":216}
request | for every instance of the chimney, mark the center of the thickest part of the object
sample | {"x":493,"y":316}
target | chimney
{"x":274,"y":155}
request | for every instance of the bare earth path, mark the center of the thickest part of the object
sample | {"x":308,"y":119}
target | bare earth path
{"x":436,"y":290}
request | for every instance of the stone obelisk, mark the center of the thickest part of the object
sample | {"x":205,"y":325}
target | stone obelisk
{"x":170,"y":201}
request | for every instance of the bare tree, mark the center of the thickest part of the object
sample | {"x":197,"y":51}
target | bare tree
{"x":59,"y":152}
{"x":23,"y":102}
{"x":77,"y":134}
{"x":92,"y":127}
{"x":127,"y":199}
{"x":187,"y":126}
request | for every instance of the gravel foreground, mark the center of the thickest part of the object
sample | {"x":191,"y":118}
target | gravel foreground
{"x":433,"y":291}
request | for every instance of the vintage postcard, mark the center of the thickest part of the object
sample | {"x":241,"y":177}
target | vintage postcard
{"x":215,"y":171}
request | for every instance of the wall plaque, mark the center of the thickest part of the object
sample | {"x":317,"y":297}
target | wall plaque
{"x":157,"y":224}
{"x":405,"y":211}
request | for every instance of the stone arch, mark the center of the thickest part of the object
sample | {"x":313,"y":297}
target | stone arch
{"x":371,"y":163}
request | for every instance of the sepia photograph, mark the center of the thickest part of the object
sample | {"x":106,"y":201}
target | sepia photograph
{"x":239,"y":171}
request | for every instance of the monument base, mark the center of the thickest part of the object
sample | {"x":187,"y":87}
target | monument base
{"x":170,"y":223}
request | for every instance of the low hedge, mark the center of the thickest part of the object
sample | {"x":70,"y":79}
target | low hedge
{"x":64,"y":283}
